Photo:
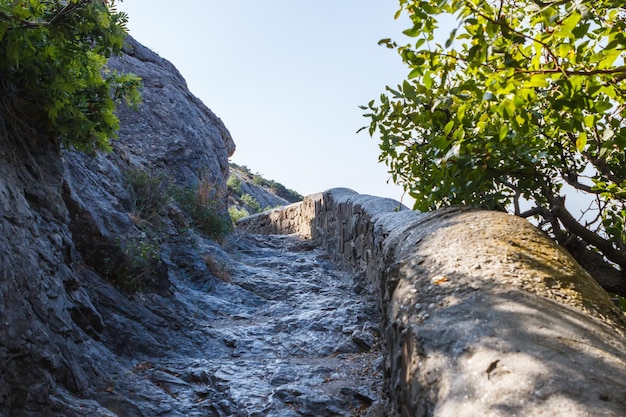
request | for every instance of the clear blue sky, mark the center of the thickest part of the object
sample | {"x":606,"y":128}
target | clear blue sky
{"x":286,"y":77}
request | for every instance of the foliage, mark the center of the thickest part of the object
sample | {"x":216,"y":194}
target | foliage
{"x":140,"y":266}
{"x":277,"y":188}
{"x":243,"y":168}
{"x":53,"y":58}
{"x":234,"y":184}
{"x":281,"y":191}
{"x":522,"y":104}
{"x":204,"y":206}
{"x":237,"y":213}
{"x":251,"y":202}
{"x":149,"y":192}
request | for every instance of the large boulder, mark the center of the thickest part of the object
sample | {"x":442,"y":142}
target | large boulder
{"x":172,"y":130}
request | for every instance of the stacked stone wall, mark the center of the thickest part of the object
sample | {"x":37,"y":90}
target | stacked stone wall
{"x":482,"y":314}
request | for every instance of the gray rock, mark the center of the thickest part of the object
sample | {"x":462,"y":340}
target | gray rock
{"x":483,"y":314}
{"x":66,"y":335}
{"x":173,"y":130}
{"x":363,"y":339}
{"x":172,"y":133}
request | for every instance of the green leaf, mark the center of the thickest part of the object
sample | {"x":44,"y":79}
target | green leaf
{"x":428,"y":81}
{"x":567,"y":26}
{"x":460,"y":112}
{"x":581,"y":141}
{"x":537,"y":80}
{"x":451,"y":38}
{"x":448,"y":128}
{"x":504,"y":130}
{"x":581,"y":30}
{"x":417,"y":72}
{"x":610,"y":55}
{"x":413,"y":32}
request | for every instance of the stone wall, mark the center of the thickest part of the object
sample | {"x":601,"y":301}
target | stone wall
{"x":482,"y":314}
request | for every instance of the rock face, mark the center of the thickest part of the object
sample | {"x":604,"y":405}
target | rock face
{"x":173,"y":130}
{"x":67,"y":336}
{"x":482,"y":314}
{"x":259,"y":326}
{"x":253,"y":193}
{"x":172,"y":133}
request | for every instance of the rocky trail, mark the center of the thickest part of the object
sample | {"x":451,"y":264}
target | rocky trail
{"x":289,"y":335}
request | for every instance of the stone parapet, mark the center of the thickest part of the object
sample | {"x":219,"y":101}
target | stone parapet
{"x":482,"y":314}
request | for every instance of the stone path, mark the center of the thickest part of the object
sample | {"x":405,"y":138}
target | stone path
{"x":291,"y":335}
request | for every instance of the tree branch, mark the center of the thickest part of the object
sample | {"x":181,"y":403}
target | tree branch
{"x":613,"y":71}
{"x":503,"y":24}
{"x":607,"y":275}
{"x":572,"y":225}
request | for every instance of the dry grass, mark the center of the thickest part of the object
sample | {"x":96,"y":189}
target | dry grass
{"x":218,"y":269}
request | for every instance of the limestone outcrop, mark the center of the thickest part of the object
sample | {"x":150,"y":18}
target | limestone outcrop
{"x":482,"y":314}
{"x":172,"y":133}
{"x":68,"y":336}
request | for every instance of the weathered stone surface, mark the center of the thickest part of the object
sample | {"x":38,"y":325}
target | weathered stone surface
{"x":47,"y":321}
{"x":269,"y":329}
{"x":173,"y":130}
{"x":483,"y":315}
{"x":67,"y":337}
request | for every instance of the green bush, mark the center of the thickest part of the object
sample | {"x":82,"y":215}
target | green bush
{"x":53,"y":69}
{"x":258,"y":180}
{"x":283,"y":192}
{"x":236,"y":213}
{"x":251,"y":202}
{"x":149,"y":193}
{"x":206,"y":210}
{"x":234,"y":184}
{"x":138,"y":266}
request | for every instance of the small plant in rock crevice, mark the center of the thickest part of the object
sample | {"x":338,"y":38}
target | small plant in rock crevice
{"x":139,"y":265}
{"x":203,"y":203}
{"x":149,"y":193}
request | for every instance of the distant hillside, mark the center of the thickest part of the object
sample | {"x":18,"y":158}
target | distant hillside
{"x":251,"y":193}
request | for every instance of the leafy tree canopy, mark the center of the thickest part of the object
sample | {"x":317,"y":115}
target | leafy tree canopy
{"x":53,"y":56}
{"x":521,"y":107}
